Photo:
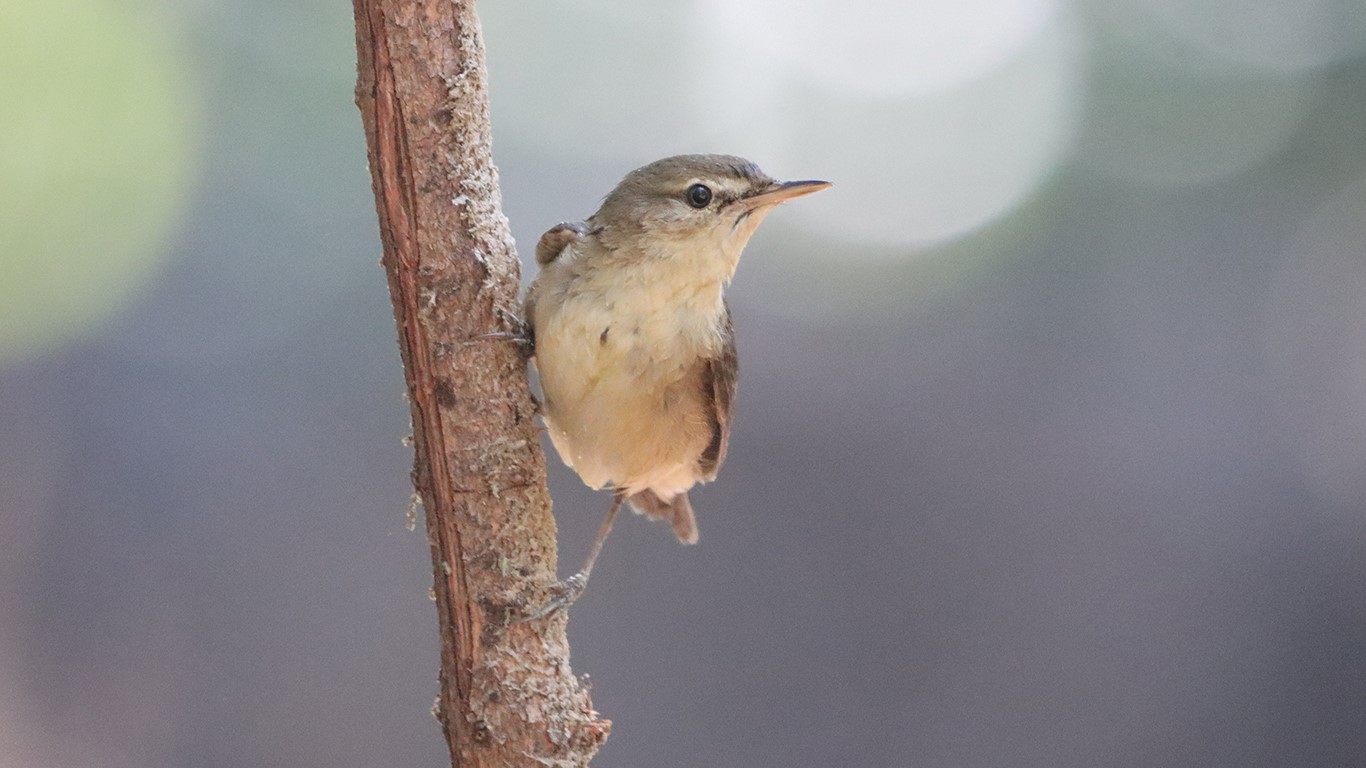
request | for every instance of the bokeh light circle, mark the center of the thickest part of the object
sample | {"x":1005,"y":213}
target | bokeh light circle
{"x":95,"y":158}
{"x":917,"y":169}
{"x":884,"y":48}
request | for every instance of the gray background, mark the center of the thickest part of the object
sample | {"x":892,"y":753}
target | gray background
{"x":1048,"y":448}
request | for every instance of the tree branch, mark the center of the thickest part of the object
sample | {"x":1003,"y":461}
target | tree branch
{"x":508,"y":696}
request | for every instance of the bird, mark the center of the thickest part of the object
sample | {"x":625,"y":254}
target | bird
{"x":632,"y":338}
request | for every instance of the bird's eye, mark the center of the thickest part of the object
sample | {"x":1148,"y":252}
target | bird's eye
{"x":699,"y":195}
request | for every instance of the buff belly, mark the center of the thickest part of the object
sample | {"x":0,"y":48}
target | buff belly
{"x":623,"y":402}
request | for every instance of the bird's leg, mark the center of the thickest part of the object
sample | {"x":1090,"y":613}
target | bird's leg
{"x":569,"y":590}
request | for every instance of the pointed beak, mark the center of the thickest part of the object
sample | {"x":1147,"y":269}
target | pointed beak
{"x":781,"y":192}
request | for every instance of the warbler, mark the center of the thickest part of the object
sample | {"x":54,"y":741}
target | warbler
{"x":632,"y":336}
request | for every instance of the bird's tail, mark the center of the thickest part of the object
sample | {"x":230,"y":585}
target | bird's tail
{"x":677,"y":511}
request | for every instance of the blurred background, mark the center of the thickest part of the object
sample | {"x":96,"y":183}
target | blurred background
{"x":1050,"y":449}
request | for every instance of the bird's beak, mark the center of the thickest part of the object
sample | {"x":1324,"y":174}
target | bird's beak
{"x":781,"y":192}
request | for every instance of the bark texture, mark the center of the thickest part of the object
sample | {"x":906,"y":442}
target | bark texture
{"x":508,"y":696}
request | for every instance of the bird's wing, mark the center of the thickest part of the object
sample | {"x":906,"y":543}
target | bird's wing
{"x":548,"y":249}
{"x":719,"y":377}
{"x":555,"y":239}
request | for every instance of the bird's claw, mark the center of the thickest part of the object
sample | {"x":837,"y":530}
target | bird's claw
{"x":564,"y":593}
{"x":521,"y":338}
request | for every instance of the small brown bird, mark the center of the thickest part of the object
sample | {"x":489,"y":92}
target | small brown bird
{"x":633,"y":339}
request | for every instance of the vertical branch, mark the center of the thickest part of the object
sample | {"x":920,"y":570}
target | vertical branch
{"x":508,"y":696}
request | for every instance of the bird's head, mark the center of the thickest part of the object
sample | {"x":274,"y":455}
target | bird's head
{"x":703,"y":204}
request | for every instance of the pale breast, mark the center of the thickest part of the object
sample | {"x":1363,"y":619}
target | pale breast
{"x":618,"y":366}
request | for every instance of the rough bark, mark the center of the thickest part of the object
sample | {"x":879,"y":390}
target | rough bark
{"x":508,"y":696}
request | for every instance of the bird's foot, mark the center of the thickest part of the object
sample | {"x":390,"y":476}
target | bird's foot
{"x":520,"y":337}
{"x":564,"y":593}
{"x":567,"y":591}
